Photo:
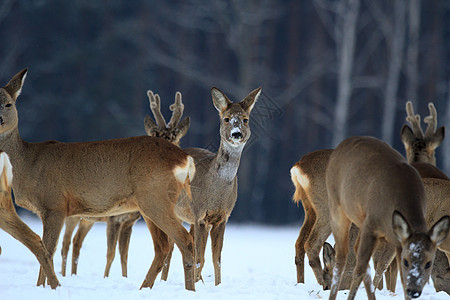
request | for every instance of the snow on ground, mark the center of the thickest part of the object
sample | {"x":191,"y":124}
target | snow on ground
{"x":257,"y":263}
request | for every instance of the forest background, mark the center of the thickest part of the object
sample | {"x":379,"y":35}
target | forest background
{"x":329,"y":69}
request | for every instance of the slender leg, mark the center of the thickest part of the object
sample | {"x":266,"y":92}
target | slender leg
{"x":305,"y":231}
{"x":12,"y":224}
{"x":217,"y":234}
{"x":161,"y":245}
{"x":83,"y":229}
{"x":319,"y":234}
{"x":53,"y":222}
{"x":70,"y":224}
{"x":200,"y":238}
{"x":124,"y":240}
{"x":391,"y":278}
{"x":165,"y":271}
{"x":384,"y":260}
{"x":441,"y":272}
{"x":366,"y":246}
{"x":112,"y":235}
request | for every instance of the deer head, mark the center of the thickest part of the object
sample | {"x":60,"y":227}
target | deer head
{"x":234,"y":124}
{"x":417,"y":252}
{"x":8,"y":97}
{"x":420,"y":147}
{"x":174,"y":130}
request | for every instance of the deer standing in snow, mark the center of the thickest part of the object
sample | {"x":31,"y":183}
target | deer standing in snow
{"x":373,"y":186}
{"x":94,"y":179}
{"x":119,"y":227}
{"x":214,"y":188}
{"x":12,"y":224}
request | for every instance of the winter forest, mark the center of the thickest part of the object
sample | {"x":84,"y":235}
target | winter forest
{"x":329,"y":69}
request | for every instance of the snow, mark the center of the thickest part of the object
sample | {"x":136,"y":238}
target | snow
{"x":257,"y":263}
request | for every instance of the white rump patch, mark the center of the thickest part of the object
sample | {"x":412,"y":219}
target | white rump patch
{"x":182,"y":172}
{"x":300,"y":177}
{"x":5,"y":166}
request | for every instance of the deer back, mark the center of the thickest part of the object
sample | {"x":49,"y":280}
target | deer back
{"x":372,"y":180}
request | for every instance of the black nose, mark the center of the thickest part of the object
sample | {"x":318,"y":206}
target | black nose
{"x":413,"y":293}
{"x":236,"y":135}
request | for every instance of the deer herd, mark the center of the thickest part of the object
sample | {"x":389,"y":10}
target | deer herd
{"x":376,"y":203}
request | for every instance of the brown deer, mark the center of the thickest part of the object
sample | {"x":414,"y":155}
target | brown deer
{"x":119,"y":227}
{"x":308,"y":177}
{"x":373,"y":186}
{"x":214,"y":188}
{"x":94,"y":179}
{"x":12,"y":224}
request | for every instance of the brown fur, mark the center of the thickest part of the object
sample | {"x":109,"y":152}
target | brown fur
{"x":104,"y":178}
{"x":362,"y":176}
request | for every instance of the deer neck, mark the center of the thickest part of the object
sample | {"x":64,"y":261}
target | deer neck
{"x":226,"y":162}
{"x":12,"y":144}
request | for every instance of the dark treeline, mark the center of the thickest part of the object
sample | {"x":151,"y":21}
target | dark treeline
{"x":329,"y":69}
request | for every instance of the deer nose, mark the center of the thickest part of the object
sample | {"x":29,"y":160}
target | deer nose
{"x":413,"y":293}
{"x":236,"y":135}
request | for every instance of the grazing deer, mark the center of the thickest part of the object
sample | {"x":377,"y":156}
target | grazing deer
{"x":12,"y":224}
{"x":119,"y":227}
{"x":214,"y":188}
{"x":94,"y":179}
{"x":373,"y":186}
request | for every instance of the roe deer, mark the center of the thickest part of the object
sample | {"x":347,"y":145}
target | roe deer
{"x":214,"y":188}
{"x":373,"y":186}
{"x":12,"y":224}
{"x":94,"y":179}
{"x":119,"y":227}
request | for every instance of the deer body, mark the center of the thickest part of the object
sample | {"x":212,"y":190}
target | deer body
{"x":373,"y":186}
{"x":104,"y":178}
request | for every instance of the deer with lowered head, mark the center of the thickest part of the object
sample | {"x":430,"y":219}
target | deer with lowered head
{"x":373,"y":186}
{"x":94,"y":179}
{"x":12,"y":224}
{"x":308,"y":177}
{"x":119,"y":227}
{"x":214,"y":188}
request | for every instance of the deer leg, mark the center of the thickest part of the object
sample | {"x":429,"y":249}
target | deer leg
{"x":391,"y":278}
{"x":12,"y":224}
{"x":351,"y":258}
{"x":124,"y":241}
{"x":384,"y":260}
{"x":366,"y":247}
{"x":200,"y":238}
{"x":70,"y":224}
{"x":441,"y":272}
{"x":161,"y":246}
{"x":53,"y":222}
{"x":165,"y":271}
{"x":217,"y":234}
{"x":83,"y":229}
{"x":112,"y":235}
{"x":305,"y":231}
{"x":319,"y":234}
{"x":341,"y":226}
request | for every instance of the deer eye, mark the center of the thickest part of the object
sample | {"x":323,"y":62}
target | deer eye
{"x":245,"y":120}
{"x":226,"y":120}
{"x":428,"y":265}
{"x":8,"y":105}
{"x":405,"y":262}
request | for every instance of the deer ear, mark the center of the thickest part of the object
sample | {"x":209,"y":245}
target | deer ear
{"x":329,"y":255}
{"x":220,"y":100}
{"x":438,"y":233}
{"x":149,"y":125}
{"x":437,"y":138}
{"x":249,"y":102}
{"x":401,"y":227}
{"x":14,"y":86}
{"x":183,"y":127}
{"x":407,"y":135}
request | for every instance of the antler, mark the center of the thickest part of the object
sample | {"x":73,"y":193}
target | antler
{"x":177,"y":109}
{"x":414,"y":120}
{"x":155,"y":106}
{"x":431,"y":120}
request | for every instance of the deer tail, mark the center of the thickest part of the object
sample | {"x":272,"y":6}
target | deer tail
{"x":298,"y":178}
{"x":185,"y":174}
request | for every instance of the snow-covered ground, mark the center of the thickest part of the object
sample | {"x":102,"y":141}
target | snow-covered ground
{"x":257,"y":263}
